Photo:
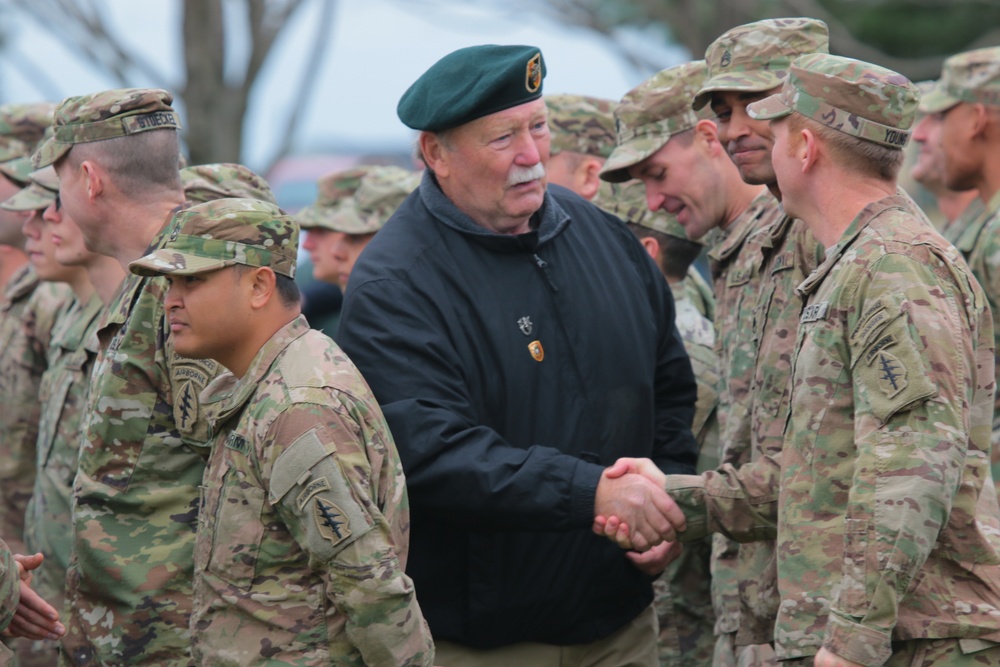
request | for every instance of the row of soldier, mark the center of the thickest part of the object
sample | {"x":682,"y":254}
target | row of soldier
{"x":857,"y":485}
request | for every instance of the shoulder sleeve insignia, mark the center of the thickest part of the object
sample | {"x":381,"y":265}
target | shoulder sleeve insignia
{"x":333,"y":524}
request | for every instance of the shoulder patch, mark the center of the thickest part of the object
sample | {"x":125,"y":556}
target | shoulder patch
{"x":891,"y":374}
{"x":333,"y":524}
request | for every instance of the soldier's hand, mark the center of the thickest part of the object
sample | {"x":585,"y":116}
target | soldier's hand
{"x":649,"y":512}
{"x":656,"y":560}
{"x":827,"y":659}
{"x":35,"y":618}
{"x":644,"y":467}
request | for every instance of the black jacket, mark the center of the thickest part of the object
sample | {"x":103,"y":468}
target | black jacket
{"x":502,"y":452}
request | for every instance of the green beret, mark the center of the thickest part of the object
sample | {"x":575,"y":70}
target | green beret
{"x":471,"y":83}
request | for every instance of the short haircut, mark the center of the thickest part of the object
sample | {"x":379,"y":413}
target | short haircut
{"x":138,"y":163}
{"x":676,"y":254}
{"x":871,"y":159}
{"x":287,"y":288}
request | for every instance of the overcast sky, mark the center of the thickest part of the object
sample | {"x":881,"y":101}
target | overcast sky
{"x":377,"y":48}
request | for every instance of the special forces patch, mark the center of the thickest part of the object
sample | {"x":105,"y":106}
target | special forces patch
{"x":891,"y":374}
{"x":187,"y":378}
{"x":331,"y":521}
{"x":533,"y":73}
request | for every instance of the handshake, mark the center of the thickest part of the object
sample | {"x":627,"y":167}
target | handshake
{"x":632,"y":509}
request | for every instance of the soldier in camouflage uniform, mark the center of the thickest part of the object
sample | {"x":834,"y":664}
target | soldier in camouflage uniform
{"x":888,"y":523}
{"x":959,"y":208}
{"x":303,"y":534}
{"x":28,"y":311}
{"x":352,"y":205}
{"x":135,"y":498}
{"x":683,"y":599}
{"x":691,"y":175}
{"x":582,"y":130}
{"x":208,"y":182}
{"x":746,"y":63}
{"x":966,"y":105}
{"x":63,"y":390}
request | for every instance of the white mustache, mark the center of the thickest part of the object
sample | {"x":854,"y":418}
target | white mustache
{"x":519,"y":175}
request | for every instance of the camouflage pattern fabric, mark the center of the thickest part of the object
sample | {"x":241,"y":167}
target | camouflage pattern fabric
{"x":581,"y":124}
{"x":888,"y":522}
{"x":359,"y":200}
{"x":10,"y":588}
{"x":106,"y":115}
{"x":755,"y":57}
{"x":980,"y":244}
{"x":26,"y":123}
{"x":303,"y":536}
{"x":63,"y":395}
{"x":28,"y":313}
{"x":225,"y":232}
{"x":972,"y":76}
{"x":851,"y":96}
{"x":650,"y":114}
{"x":954,"y":231}
{"x":205,"y":182}
{"x":135,"y":497}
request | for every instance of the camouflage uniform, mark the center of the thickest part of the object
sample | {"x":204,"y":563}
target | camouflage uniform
{"x":883,"y":475}
{"x":303,"y":532}
{"x":974,"y":76}
{"x":28,"y":313}
{"x":584,"y":125}
{"x":135,"y":497}
{"x":358,"y":200}
{"x":207,"y":182}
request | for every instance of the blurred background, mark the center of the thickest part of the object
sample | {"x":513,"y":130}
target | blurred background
{"x":298,"y":88}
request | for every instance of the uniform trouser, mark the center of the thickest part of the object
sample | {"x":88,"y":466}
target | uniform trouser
{"x":632,"y":646}
{"x":728,"y":654}
{"x":929,"y":653}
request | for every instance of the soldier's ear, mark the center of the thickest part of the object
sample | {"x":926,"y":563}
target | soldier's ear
{"x":93,"y":177}
{"x":261,"y":282}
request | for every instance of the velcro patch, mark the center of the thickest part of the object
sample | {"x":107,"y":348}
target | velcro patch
{"x":815,"y":312}
{"x":738,"y":277}
{"x":333,"y":524}
{"x":237,"y":443}
{"x":879,"y":345}
{"x":891,"y":374}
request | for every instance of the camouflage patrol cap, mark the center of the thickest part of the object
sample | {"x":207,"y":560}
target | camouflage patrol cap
{"x":651,"y":113}
{"x":471,"y":83}
{"x":222,"y":233}
{"x":359,"y":200}
{"x":221,"y":180}
{"x":973,"y":76}
{"x":38,"y":194}
{"x":628,"y":202}
{"x":106,"y":115}
{"x":581,"y":124}
{"x":17,"y":170}
{"x":25,"y":123}
{"x":854,"y":97}
{"x":755,"y":57}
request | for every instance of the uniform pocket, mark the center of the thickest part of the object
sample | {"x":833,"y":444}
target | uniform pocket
{"x":238,"y":530}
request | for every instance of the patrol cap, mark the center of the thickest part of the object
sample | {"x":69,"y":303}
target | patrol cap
{"x":651,"y":113}
{"x":471,"y":83}
{"x":222,"y":233}
{"x":973,"y":76}
{"x":628,"y":202}
{"x":858,"y":98}
{"x":38,"y":194}
{"x":18,"y":170}
{"x":106,"y":115}
{"x":220,"y":180}
{"x":25,"y":123}
{"x":581,"y":124}
{"x":359,"y":200}
{"x":755,"y":57}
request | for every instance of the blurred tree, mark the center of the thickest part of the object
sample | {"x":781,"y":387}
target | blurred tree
{"x":910,"y":36}
{"x":215,"y":90}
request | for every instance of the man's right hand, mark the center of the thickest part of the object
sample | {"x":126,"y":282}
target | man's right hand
{"x":649,"y":514}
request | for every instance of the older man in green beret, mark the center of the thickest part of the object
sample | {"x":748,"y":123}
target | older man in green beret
{"x":519,"y":341}
{"x":143,"y":452}
{"x":888,"y":527}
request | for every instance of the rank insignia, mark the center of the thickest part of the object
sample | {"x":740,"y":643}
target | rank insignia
{"x":727,"y":59}
{"x":537,"y":353}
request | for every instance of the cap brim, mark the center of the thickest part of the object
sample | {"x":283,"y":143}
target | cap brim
{"x":937,"y":101}
{"x":740,"y":82}
{"x":170,"y":262}
{"x":49,"y":153}
{"x":629,"y":154}
{"x":768,"y":108}
{"x":31,"y":198}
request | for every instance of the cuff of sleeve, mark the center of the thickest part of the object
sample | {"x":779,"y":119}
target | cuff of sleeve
{"x":856,"y":642}
{"x":584,"y":492}
{"x":688,"y":491}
